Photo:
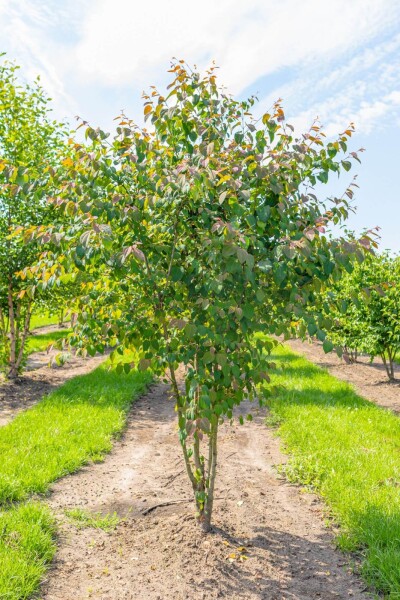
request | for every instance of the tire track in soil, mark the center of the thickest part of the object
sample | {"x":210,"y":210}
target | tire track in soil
{"x":162,"y":556}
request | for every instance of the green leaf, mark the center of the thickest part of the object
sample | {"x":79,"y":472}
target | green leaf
{"x":327,"y":346}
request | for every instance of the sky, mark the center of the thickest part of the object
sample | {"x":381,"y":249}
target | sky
{"x":338,"y":60}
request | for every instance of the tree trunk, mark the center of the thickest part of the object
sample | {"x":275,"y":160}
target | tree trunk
{"x":202,"y":479}
{"x":25,"y":332}
{"x":389,"y":365}
{"x":212,"y":472}
{"x":12,"y":358}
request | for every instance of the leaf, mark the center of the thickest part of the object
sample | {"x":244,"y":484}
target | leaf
{"x":327,"y":346}
{"x":190,"y":330}
{"x":208,"y":357}
{"x":176,"y":273}
{"x":265,"y":265}
{"x":144,"y":364}
{"x":242,"y":255}
{"x":280,"y":273}
{"x":221,"y":359}
{"x":312,"y":328}
{"x":346,"y":164}
{"x":138,"y":253}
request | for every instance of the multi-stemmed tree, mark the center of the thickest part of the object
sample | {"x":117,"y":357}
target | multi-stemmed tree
{"x":30,"y":141}
{"x":195,"y":234}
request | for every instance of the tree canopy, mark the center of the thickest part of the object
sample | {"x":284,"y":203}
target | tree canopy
{"x":30,"y":142}
{"x":194,"y":234}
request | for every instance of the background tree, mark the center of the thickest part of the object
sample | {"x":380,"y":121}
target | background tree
{"x":30,"y":142}
{"x":59,"y":300}
{"x":366,"y":310}
{"x":196,"y":234}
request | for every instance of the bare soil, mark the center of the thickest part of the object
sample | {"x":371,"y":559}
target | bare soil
{"x":41,"y":377}
{"x":369,"y":379}
{"x":269,"y":540}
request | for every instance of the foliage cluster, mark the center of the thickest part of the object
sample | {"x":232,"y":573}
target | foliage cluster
{"x":193,"y":234}
{"x":30,"y":143}
{"x":365,"y":306}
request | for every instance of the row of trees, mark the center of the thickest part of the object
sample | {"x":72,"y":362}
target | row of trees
{"x":184,"y":238}
{"x":32,"y":145}
{"x":366,"y":311}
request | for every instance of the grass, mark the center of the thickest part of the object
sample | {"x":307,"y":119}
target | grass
{"x":82,"y":518}
{"x":40,"y":342}
{"x":68,"y":428}
{"x":347,"y":449}
{"x":73,"y":425}
{"x":26,"y":547}
{"x":43,"y":320}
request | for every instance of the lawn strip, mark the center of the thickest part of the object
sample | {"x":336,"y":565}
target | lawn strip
{"x":69,"y":427}
{"x":41,"y":341}
{"x":26,"y":547}
{"x":42,"y":320}
{"x":348,"y":450}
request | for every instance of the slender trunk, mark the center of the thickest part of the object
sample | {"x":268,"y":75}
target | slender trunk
{"x":25,"y":332}
{"x":13,"y":338}
{"x":3,"y":326}
{"x":178,"y":398}
{"x":61,"y":318}
{"x":212,"y":472}
{"x":391,"y":365}
{"x":388,"y":362}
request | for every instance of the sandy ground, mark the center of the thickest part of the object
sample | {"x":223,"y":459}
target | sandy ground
{"x":39,"y":379}
{"x":269,"y":541}
{"x":370,"y":380}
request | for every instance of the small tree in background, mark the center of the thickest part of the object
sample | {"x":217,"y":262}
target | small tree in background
{"x":347,"y":311}
{"x":29,"y":144}
{"x":368,"y":309}
{"x":197,"y":233}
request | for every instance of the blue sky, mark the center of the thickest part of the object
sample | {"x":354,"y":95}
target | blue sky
{"x":335,"y":59}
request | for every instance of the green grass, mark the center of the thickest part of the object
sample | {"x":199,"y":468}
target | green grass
{"x":70,"y":427}
{"x":347,"y":449}
{"x":26,"y":547}
{"x":40,"y":342}
{"x":82,"y":518}
{"x":43,"y":320}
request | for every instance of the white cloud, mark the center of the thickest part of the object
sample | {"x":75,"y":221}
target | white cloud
{"x":360,"y":88}
{"x":27,"y":28}
{"x":119,"y":44}
{"x":130,"y":41}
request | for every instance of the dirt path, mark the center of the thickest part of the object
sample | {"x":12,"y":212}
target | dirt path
{"x":161,"y":555}
{"x":370,"y":380}
{"x":38,"y":380}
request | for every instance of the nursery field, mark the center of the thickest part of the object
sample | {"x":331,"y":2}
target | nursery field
{"x":199,"y":388}
{"x":316,"y":512}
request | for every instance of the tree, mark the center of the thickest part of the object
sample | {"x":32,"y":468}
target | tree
{"x":196,"y":234}
{"x":29,"y":144}
{"x":368,"y":309}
